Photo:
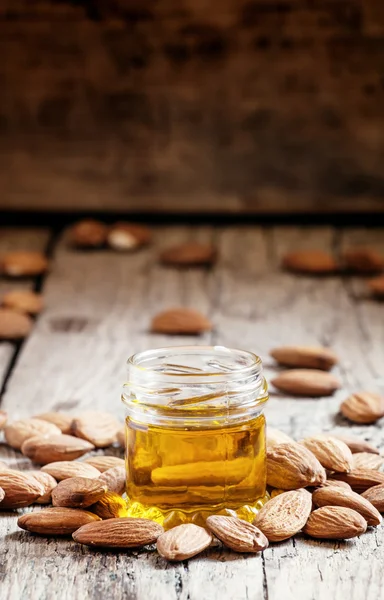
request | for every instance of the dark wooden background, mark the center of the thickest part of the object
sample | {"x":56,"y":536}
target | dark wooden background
{"x":195,"y":105}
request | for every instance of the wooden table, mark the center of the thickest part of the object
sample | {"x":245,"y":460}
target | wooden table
{"x":98,"y":308}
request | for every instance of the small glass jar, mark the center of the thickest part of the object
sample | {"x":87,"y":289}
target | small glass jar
{"x":195,"y":434}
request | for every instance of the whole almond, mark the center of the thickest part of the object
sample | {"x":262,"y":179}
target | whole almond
{"x":306,"y":382}
{"x":121,"y":437}
{"x":306,"y":357}
{"x":236,"y":534}
{"x":363,"y":407}
{"x":339,"y":484}
{"x":61,"y":420}
{"x":88,"y":234}
{"x":48,"y":482}
{"x":24,"y":264}
{"x":114,"y":479}
{"x":332,"y":453}
{"x":189,"y":254}
{"x":284,"y":515}
{"x":363,"y":260}
{"x":20,"y":489}
{"x":335,"y":523}
{"x":78,"y":492}
{"x":103,"y":463}
{"x":180,"y":321}
{"x":110,"y":506}
{"x":99,"y":428}
{"x":356,"y":444}
{"x":275,"y":436}
{"x":361,"y":479}
{"x":24,"y":301}
{"x":14,"y":325}
{"x":56,"y":520}
{"x":55,"y":448}
{"x":366,"y":460}
{"x":18,"y":432}
{"x":292,"y":466}
{"x":128,"y":236}
{"x":312,"y":262}
{"x":376,"y":286}
{"x":127,"y":532}
{"x":65,"y":469}
{"x":183,"y":541}
{"x":3,"y":419}
{"x":375,"y":495}
{"x":333,"y":496}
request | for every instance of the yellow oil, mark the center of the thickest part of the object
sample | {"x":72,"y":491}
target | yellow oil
{"x":177,"y":475}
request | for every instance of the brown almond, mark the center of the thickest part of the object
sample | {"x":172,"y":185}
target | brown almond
{"x":18,"y":432}
{"x":3,"y":419}
{"x":103,"y":463}
{"x":78,"y":492}
{"x":24,"y":301}
{"x":61,"y":420}
{"x":335,"y":523}
{"x":363,"y":260}
{"x":127,"y":532}
{"x":180,"y":321}
{"x":339,"y":484}
{"x":128,"y":236}
{"x":24,"y":264}
{"x":284,"y":515}
{"x":306,"y":382}
{"x":363,"y":407}
{"x":20,"y":489}
{"x":356,"y":444}
{"x":56,"y":521}
{"x":55,"y":448}
{"x":48,"y":482}
{"x":110,"y":506}
{"x":361,"y":479}
{"x":88,"y":234}
{"x":114,"y":479}
{"x":375,"y":495}
{"x":14,"y":325}
{"x":183,"y":541}
{"x":189,"y":254}
{"x":366,"y":460}
{"x":332,"y":453}
{"x":376,"y":286}
{"x":121,"y":437}
{"x":306,"y":357}
{"x":275,"y":437}
{"x":333,"y":496}
{"x":65,"y":469}
{"x":99,"y":428}
{"x":292,"y":466}
{"x":312,"y":262}
{"x":237,"y":534}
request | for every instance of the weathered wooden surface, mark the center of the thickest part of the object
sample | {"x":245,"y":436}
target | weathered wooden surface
{"x":99,"y":306}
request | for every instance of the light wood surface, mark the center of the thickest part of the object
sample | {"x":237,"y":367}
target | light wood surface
{"x":99,"y":306}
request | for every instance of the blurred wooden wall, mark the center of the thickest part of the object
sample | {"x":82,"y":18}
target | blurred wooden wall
{"x":196,"y":105}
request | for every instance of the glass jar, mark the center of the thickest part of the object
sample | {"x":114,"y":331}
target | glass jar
{"x":195,"y":434}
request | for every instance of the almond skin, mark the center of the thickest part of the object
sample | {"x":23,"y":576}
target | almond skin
{"x":65,"y":469}
{"x":333,"y":496}
{"x":24,"y":264}
{"x":78,"y":492}
{"x":339,"y":484}
{"x":24,"y":301}
{"x":312,"y":262}
{"x":115,"y":479}
{"x":361,"y":479}
{"x":99,"y":428}
{"x":332,"y":453}
{"x":335,"y":523}
{"x":180,"y":321}
{"x":306,"y":382}
{"x":110,"y":506}
{"x":375,"y":495}
{"x":14,"y":325}
{"x":275,"y":437}
{"x":103,"y":463}
{"x":61,"y":420}
{"x":292,"y":466}
{"x":119,"y":533}
{"x":56,"y":521}
{"x":236,"y":534}
{"x":88,"y":234}
{"x":18,"y":432}
{"x":376,"y":286}
{"x":183,"y":541}
{"x":189,"y":254}
{"x":55,"y":448}
{"x":306,"y":357}
{"x":48,"y":482}
{"x":284,"y":515}
{"x":20,"y":489}
{"x":363,"y":407}
{"x":366,"y":460}
{"x":128,"y":236}
{"x":363,"y":260}
{"x":356,"y":445}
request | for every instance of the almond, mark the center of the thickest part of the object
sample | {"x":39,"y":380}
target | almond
{"x":24,"y":301}
{"x":332,"y":453}
{"x":110,"y":506}
{"x":103,"y":463}
{"x":376,"y":286}
{"x":316,"y":262}
{"x":292,"y":466}
{"x":189,"y":254}
{"x":306,"y":357}
{"x":284,"y":515}
{"x":183,"y":541}
{"x":65,"y":469}
{"x":363,"y":260}
{"x":366,"y":460}
{"x":339,"y":484}
{"x":3,"y":419}
{"x":20,"y":489}
{"x":236,"y":534}
{"x":335,"y":523}
{"x":48,"y":482}
{"x":14,"y":325}
{"x":61,"y":420}
{"x":114,"y":479}
{"x":356,"y":444}
{"x":306,"y":382}
{"x":78,"y":492}
{"x":119,"y":533}
{"x":363,"y":407}
{"x":180,"y":321}
{"x":56,"y":521}
{"x":333,"y":496}
{"x":375,"y":495}
{"x":361,"y":479}
{"x":24,"y":264}
{"x":88,"y":234}
{"x":18,"y":432}
{"x":121,"y":435}
{"x":128,"y":236}
{"x":275,"y":437}
{"x":54,"y":448}
{"x":99,"y":428}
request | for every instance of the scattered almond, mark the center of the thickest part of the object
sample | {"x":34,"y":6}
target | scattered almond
{"x":375,"y":495}
{"x":356,"y":444}
{"x":78,"y":492}
{"x":363,"y":407}
{"x":180,"y":321}
{"x":237,"y":534}
{"x":103,"y":463}
{"x":366,"y":460}
{"x":333,"y":496}
{"x":119,"y":533}
{"x":88,"y":234}
{"x":99,"y":428}
{"x":316,"y":262}
{"x":306,"y":357}
{"x":376,"y":286}
{"x":363,"y":260}
{"x":335,"y":523}
{"x":65,"y":469}
{"x":275,"y":437}
{"x":20,"y":489}
{"x":183,"y":541}
{"x":361,"y":479}
{"x":128,"y":236}
{"x":110,"y":506}
{"x":292,"y":466}
{"x":332,"y":453}
{"x":14,"y":325}
{"x":18,"y":432}
{"x":114,"y":479}
{"x":306,"y":382}
{"x":3,"y":419}
{"x":24,"y":264}
{"x":24,"y":301}
{"x":61,"y":420}
{"x":56,"y":520}
{"x":189,"y":254}
{"x":55,"y":448}
{"x":284,"y":515}
{"x":48,"y":482}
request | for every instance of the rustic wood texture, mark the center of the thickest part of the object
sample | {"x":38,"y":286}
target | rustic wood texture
{"x":99,"y":306}
{"x":253,"y":106}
